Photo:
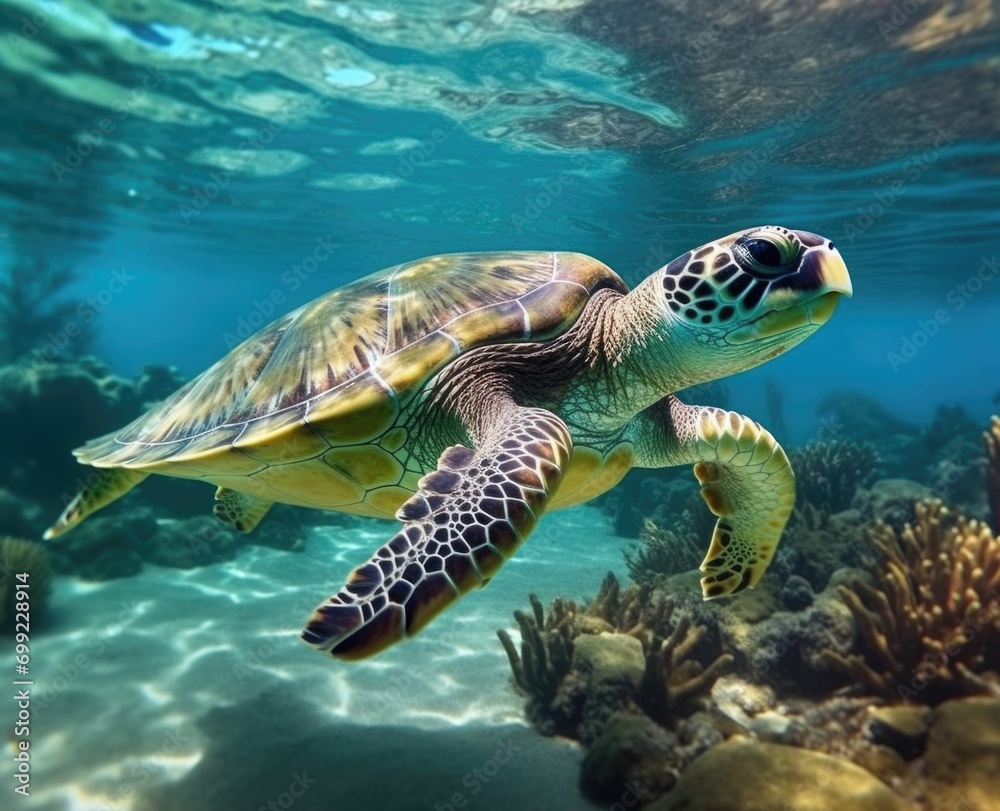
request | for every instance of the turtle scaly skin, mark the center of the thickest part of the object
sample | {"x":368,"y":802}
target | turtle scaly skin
{"x":466,"y":394}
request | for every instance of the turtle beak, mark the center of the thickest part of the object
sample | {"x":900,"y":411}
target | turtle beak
{"x":831,"y":270}
{"x":827,"y":267}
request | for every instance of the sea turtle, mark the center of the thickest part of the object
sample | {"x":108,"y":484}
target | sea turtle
{"x":465,"y":394}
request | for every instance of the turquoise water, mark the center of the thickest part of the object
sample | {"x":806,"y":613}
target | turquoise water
{"x":201,"y":168}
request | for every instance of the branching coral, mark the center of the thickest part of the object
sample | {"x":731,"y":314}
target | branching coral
{"x":829,"y":473}
{"x":568,"y":694}
{"x":546,"y":653}
{"x":674,"y":683}
{"x":992,"y":440}
{"x":23,"y":557}
{"x":930,"y":629}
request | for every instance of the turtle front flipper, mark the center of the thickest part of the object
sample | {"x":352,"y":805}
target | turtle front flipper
{"x":746,"y":481}
{"x":100,"y":488}
{"x":468,"y":517}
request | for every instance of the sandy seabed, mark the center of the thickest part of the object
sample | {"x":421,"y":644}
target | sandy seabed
{"x":189,"y":689}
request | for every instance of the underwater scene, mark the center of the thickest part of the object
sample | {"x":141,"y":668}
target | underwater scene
{"x":675,"y":323}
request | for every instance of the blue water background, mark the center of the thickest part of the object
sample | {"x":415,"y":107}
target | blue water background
{"x":398,"y":130}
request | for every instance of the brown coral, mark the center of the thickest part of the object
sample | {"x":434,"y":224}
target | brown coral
{"x":23,"y":557}
{"x":546,"y":653}
{"x":673,"y":683}
{"x":930,"y":628}
{"x":992,"y":440}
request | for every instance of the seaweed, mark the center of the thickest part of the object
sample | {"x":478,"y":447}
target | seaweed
{"x":663,"y":551}
{"x":34,"y":313}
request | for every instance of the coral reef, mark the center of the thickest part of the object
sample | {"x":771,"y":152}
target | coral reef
{"x":949,"y":423}
{"x":674,"y":683}
{"x":892,"y":502}
{"x":856,"y":416}
{"x":544,"y":661}
{"x":930,"y":629}
{"x":35,"y":314}
{"x":664,"y":551}
{"x":56,"y":407}
{"x":963,"y":755}
{"x":622,"y":652}
{"x":992,"y":440}
{"x":19,"y":556}
{"x":743,"y":774}
{"x":105,"y":547}
{"x":829,"y":473}
{"x":156,"y":383}
{"x":109,"y":546}
{"x":632,"y":753}
{"x":817,"y":544}
{"x":839,"y":678}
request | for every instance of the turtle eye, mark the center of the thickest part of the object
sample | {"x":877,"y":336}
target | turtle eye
{"x":767,"y":255}
{"x":764,"y":252}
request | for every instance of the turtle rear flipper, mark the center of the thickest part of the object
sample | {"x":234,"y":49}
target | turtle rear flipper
{"x":100,"y":488}
{"x":241,"y":511}
{"x":468,"y":517}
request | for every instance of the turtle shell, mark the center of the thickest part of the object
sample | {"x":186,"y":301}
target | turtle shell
{"x":336,"y":371}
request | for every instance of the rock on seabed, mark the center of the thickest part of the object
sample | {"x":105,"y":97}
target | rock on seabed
{"x":745,"y":775}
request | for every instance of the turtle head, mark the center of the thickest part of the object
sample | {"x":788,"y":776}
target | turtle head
{"x":752,"y":295}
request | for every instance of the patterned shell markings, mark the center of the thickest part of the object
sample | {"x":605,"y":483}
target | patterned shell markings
{"x":348,"y":358}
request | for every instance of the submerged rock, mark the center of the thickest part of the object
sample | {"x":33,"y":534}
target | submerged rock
{"x":744,"y":775}
{"x":903,"y":729}
{"x":963,"y":754}
{"x":19,"y":516}
{"x":632,"y":751}
{"x":191,"y":542}
{"x":797,"y":593}
{"x":56,"y":407}
{"x":892,"y":501}
{"x":106,"y":546}
{"x":610,"y":657}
